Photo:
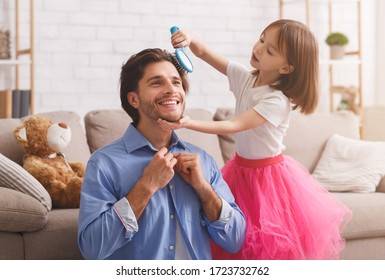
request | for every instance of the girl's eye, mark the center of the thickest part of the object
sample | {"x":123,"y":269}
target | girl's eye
{"x":261,"y":40}
{"x":269,"y":52}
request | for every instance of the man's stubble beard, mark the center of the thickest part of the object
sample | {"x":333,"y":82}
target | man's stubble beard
{"x":150,"y":110}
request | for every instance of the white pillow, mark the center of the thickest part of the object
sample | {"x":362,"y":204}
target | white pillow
{"x":13,"y":176}
{"x":351,"y":165}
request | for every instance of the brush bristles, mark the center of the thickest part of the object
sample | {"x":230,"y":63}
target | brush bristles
{"x":177,"y":65}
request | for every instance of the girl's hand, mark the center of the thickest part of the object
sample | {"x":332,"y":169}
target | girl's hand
{"x":166,"y":125}
{"x":180,"y":39}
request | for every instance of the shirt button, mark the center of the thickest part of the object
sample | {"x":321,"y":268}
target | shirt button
{"x":171,"y":247}
{"x":171,"y":187}
{"x":172,"y":216}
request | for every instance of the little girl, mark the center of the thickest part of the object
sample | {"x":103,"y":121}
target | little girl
{"x":289,"y":216}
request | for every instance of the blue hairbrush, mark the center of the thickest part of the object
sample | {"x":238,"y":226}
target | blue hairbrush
{"x":183,"y":61}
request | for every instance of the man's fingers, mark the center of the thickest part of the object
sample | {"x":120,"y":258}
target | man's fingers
{"x":163,"y":151}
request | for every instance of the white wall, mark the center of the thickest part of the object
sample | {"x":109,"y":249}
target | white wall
{"x":81,"y":44}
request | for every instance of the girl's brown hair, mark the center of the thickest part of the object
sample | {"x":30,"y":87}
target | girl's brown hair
{"x":298,"y":45}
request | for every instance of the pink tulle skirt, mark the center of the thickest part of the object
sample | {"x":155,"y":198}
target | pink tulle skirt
{"x":288,"y":214}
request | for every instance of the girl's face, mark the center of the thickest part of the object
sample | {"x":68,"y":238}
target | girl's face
{"x":265,"y":56}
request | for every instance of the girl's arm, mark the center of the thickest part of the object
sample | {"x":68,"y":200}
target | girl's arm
{"x":244,"y":121}
{"x":200,"y":49}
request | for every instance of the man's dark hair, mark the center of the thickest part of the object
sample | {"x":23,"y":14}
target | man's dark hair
{"x":133,"y":70}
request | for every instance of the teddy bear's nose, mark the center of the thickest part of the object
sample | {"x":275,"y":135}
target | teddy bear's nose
{"x":63,"y":125}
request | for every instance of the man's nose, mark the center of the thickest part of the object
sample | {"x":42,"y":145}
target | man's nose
{"x":170,"y":89}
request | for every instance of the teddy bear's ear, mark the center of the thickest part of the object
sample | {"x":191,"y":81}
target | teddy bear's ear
{"x":20,"y":134}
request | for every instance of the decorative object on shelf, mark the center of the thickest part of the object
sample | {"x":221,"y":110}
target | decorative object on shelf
{"x":5,"y":103}
{"x":5,"y":49}
{"x":348,"y":98}
{"x":337,"y":42}
{"x":21,"y":101}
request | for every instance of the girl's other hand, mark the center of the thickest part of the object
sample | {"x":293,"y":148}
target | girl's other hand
{"x":166,"y":125}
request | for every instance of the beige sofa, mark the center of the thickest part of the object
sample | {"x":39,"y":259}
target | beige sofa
{"x":54,"y":236}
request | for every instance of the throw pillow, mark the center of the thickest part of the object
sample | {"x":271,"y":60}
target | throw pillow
{"x":15,"y":177}
{"x":351,"y":165}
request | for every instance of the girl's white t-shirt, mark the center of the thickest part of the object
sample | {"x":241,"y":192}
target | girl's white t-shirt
{"x":265,"y":140}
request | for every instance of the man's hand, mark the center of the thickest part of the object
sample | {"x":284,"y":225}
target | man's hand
{"x":189,"y":168}
{"x":156,"y":176}
{"x":159,"y":171}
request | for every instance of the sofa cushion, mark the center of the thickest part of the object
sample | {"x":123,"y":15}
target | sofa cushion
{"x":8,"y":144}
{"x":226,"y":141}
{"x":57,"y":240}
{"x":351,"y":165}
{"x":368,"y":214}
{"x":12,"y":246}
{"x":15,"y":177}
{"x":20,"y":212}
{"x":105,"y":126}
{"x":307,"y":134}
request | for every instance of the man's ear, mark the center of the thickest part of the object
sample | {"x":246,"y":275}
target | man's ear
{"x":133,"y":100}
{"x":286,"y":69}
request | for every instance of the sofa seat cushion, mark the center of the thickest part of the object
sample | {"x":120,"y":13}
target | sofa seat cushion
{"x":20,"y":212}
{"x":368,"y":214}
{"x":57,"y":240}
{"x":12,"y":246}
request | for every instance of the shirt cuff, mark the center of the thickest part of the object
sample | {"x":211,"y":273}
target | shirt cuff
{"x":124,"y":211}
{"x":226,"y":212}
{"x":224,"y":217}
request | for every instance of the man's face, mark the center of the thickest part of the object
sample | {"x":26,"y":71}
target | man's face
{"x":161,"y":94}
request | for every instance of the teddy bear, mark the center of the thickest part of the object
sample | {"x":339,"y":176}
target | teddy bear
{"x":44,"y":142}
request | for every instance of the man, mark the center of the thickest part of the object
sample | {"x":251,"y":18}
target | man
{"x":150,"y":195}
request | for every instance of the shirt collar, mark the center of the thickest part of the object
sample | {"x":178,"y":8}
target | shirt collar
{"x":134,"y":140}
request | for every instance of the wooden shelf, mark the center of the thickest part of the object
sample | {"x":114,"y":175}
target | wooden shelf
{"x":345,"y":62}
{"x":23,"y":57}
{"x":351,"y":59}
{"x":14,"y":62}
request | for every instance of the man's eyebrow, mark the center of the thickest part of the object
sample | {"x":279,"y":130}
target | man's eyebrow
{"x":153,"y":78}
{"x":158,"y":77}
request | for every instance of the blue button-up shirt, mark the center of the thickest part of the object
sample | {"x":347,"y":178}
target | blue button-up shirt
{"x":105,"y":231}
